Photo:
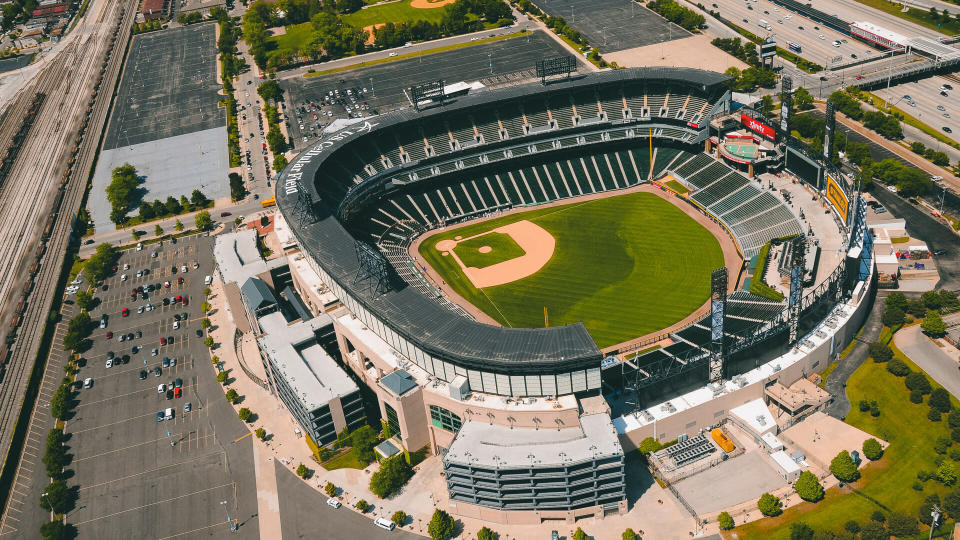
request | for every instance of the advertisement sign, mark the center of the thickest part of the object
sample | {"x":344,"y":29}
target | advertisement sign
{"x":758,"y":127}
{"x":837,"y":198}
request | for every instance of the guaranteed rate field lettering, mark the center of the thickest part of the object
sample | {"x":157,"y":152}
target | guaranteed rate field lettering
{"x":625,"y":266}
{"x":294,"y":174}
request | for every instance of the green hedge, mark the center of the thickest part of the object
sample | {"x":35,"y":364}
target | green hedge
{"x":757,"y":285}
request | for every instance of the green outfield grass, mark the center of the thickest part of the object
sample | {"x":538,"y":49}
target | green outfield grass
{"x":393,"y":12}
{"x":503,"y":246}
{"x":625,"y":266}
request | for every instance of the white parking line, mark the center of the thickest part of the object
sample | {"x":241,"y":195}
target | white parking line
{"x":177,"y":464}
{"x":154,"y":504}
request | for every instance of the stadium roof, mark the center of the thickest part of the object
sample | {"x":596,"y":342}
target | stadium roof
{"x":421,"y":320}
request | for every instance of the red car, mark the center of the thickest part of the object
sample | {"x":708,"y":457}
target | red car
{"x":225,"y":214}
{"x":178,"y":298}
{"x":176,"y":392}
{"x":179,"y":281}
{"x":133,"y":294}
{"x":163,"y":341}
{"x":109,"y":334}
{"x":125,"y":312}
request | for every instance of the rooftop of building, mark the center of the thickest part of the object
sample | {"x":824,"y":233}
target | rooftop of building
{"x":257,"y":294}
{"x":479,"y":444}
{"x":399,"y":382}
{"x":297,"y":357}
{"x":238,"y":258}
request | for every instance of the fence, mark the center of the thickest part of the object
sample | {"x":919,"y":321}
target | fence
{"x":238,"y":349}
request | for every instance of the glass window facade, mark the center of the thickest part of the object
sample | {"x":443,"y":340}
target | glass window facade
{"x":444,"y":419}
{"x":393,"y":420}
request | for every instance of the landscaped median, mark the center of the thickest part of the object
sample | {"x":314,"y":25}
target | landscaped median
{"x":405,"y":56}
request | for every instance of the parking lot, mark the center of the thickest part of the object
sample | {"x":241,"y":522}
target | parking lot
{"x":143,"y":459}
{"x":614,"y":25}
{"x":928,"y":104}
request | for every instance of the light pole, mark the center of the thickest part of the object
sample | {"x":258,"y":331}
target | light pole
{"x":171,"y":439}
{"x":233,"y":526}
{"x":490,"y":62}
{"x":372,"y":91}
{"x":942,"y":196}
{"x":935,"y":514}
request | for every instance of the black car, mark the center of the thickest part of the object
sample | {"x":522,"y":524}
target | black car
{"x":176,"y":317}
{"x":170,"y":340}
{"x":948,"y":130}
{"x":166,"y":301}
{"x":199,"y":333}
{"x":940,"y":252}
{"x":125,"y":358}
{"x":157,"y":371}
{"x":178,"y":383}
{"x":143,"y":374}
{"x":169,"y":394}
{"x":139,"y":334}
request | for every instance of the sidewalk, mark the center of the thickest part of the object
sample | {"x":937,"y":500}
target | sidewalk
{"x":929,"y":356}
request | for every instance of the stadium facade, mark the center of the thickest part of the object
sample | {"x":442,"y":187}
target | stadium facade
{"x":484,"y":396}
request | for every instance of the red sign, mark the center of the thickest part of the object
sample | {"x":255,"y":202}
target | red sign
{"x":693,"y":125}
{"x":758,"y":127}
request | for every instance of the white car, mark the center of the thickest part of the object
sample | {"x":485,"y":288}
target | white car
{"x":139,"y":273}
{"x":123,"y":277}
{"x":176,"y":325}
{"x":88,"y":382}
{"x":393,"y":54}
{"x":333,"y":503}
{"x":149,"y":307}
{"x":154,"y":352}
{"x":183,"y":269}
{"x":161,"y":388}
{"x":139,"y":246}
{"x":109,"y":363}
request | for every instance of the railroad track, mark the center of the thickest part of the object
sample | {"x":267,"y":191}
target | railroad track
{"x":51,"y":175}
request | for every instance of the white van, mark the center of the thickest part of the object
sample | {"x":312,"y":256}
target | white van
{"x":333,"y":503}
{"x":208,"y":280}
{"x":836,"y":43}
{"x":168,"y":414}
{"x":384,"y":524}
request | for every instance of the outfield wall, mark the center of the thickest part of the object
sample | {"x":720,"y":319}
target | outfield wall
{"x":701,"y":409}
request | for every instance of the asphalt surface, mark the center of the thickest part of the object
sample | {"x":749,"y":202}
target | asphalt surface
{"x":134,"y":473}
{"x":929,"y":357}
{"x":305,"y":514}
{"x":837,"y":381}
{"x":494,"y":64}
{"x":934,"y":233}
{"x":16,"y":62}
{"x":925,"y":93}
{"x":169,"y":87}
{"x":614,"y":25}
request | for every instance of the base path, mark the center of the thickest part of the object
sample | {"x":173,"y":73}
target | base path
{"x":426,"y":4}
{"x":533,"y":239}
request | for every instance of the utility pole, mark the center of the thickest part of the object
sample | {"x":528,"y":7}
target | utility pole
{"x":935,"y":514}
{"x":943,"y":195}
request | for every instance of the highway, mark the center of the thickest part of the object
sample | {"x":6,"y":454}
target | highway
{"x":27,"y":203}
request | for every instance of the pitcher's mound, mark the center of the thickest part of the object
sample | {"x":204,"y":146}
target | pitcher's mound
{"x":485,"y":249}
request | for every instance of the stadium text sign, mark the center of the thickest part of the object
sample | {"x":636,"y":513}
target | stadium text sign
{"x":758,"y":127}
{"x":838,"y":199}
{"x":294,"y":174}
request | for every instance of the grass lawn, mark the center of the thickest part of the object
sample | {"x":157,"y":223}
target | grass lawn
{"x":393,"y":12}
{"x":918,"y":16}
{"x":625,"y":266}
{"x":345,"y":460}
{"x":678,"y":187}
{"x":885,"y":485}
{"x":297,"y":37}
{"x":503,"y":248}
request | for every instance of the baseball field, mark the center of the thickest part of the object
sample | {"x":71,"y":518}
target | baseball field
{"x":625,"y":266}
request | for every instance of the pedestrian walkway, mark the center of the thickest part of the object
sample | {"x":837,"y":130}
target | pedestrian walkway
{"x":929,"y":356}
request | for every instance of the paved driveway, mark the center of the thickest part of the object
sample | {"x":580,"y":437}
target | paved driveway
{"x":928,"y":356}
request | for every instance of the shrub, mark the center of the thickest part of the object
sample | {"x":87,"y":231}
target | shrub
{"x":362,"y":505}
{"x":874,"y":410}
{"x":933,"y":415}
{"x":873,"y":530}
{"x":927,"y":507}
{"x":941,"y":445}
{"x":898,"y":368}
{"x":918,"y":486}
{"x":940,"y":400}
{"x":864,"y":405}
{"x":878,"y":516}
{"x":843,"y":468}
{"x":769,"y":505}
{"x":725,"y":521}
{"x":808,"y":487}
{"x":399,"y":517}
{"x":893,"y":316}
{"x":916,"y":396}
{"x":954,"y":419}
{"x":486,"y":533}
{"x":880,"y":352}
{"x":393,"y":474}
{"x":232,"y":395}
{"x":260,"y":433}
{"x":872,"y":449}
{"x":800,"y":531}
{"x":923,"y":475}
{"x":303,"y":471}
{"x":244,"y":414}
{"x":947,"y":474}
{"x":918,"y":381}
{"x":441,"y":525}
{"x":330,"y":489}
{"x":580,"y":535}
{"x":222,"y":377}
{"x":852,"y":526}
{"x":933,"y":324}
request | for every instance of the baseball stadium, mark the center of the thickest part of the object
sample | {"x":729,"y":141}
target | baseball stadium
{"x":578,"y":247}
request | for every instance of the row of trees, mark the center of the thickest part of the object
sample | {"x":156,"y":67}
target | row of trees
{"x":937,"y":157}
{"x":751,"y":78}
{"x":172,"y":207}
{"x":275,"y":139}
{"x":231,"y":64}
{"x":675,"y":13}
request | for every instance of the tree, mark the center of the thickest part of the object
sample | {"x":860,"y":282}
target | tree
{"x":441,"y":525}
{"x":399,"y":517}
{"x":808,"y":487}
{"x":56,"y":497}
{"x":205,"y":307}
{"x":802,"y":99}
{"x":766,"y":105}
{"x":880,"y":352}
{"x":393,"y":474}
{"x":157,"y":230}
{"x":84,"y":299}
{"x":362,"y":505}
{"x":931,"y":300}
{"x":244,"y":414}
{"x":947,"y":473}
{"x":56,"y":529}
{"x":121,"y":191}
{"x":725,"y":521}
{"x":896,"y":299}
{"x":172,"y":205}
{"x":843,"y":467}
{"x":954,"y":419}
{"x":872,"y":449}
{"x":951,"y":503}
{"x":900,"y":524}
{"x":898,"y":368}
{"x":933,"y":415}
{"x":198,"y":199}
{"x":101,"y":262}
{"x":260,"y":433}
{"x":873,"y":530}
{"x":918,"y":381}
{"x":203,"y":221}
{"x":940,"y":400}
{"x":580,"y":535}
{"x":769,"y":505}
{"x":60,"y":402}
{"x":205,"y":323}
{"x":232,"y":395}
{"x":893,"y":316}
{"x":302,"y":472}
{"x":222,"y":377}
{"x":933,"y":324}
{"x":800,"y":531}
{"x":270,"y":91}
{"x":363,"y":439}
{"x":185,"y":203}
{"x":279,"y":162}
{"x":208,"y":342}
{"x":237,"y":190}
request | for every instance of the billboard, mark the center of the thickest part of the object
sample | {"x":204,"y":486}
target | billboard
{"x":838,"y":199}
{"x":757,"y":126}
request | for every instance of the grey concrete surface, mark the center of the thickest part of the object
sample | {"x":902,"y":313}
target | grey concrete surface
{"x":929,"y":358}
{"x":613,"y":25}
{"x":926,"y":94}
{"x":169,"y":87}
{"x":173,"y":166}
{"x":725,"y":485}
{"x":161,"y":479}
